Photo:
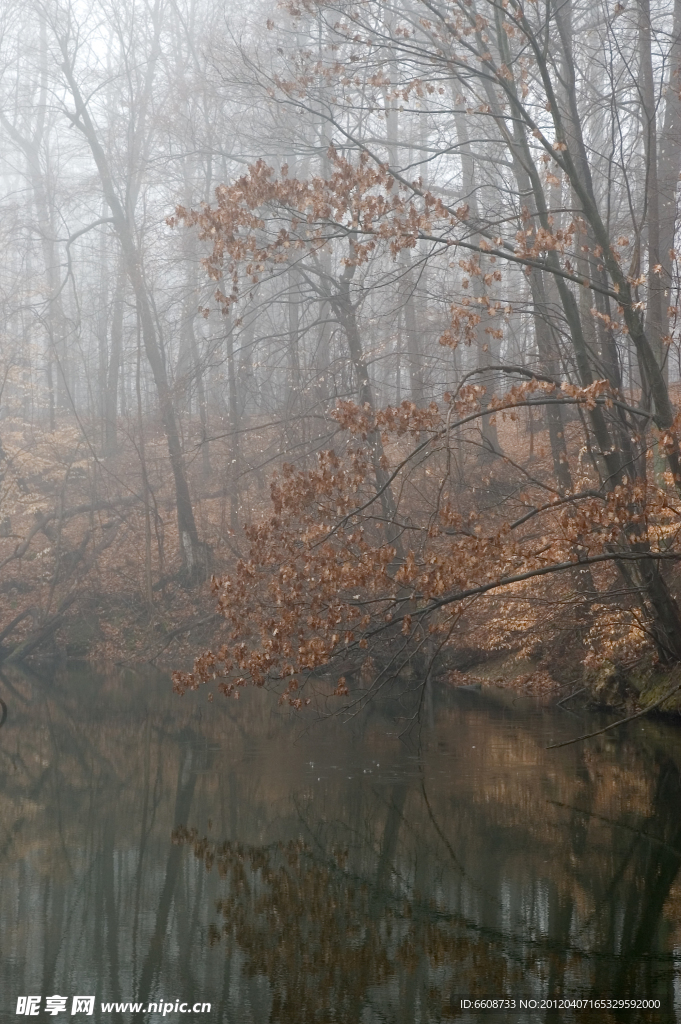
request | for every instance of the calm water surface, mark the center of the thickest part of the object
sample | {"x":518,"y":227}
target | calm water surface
{"x":287,"y":870}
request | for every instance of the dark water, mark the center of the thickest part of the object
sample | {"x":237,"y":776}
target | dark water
{"x":158,"y":849}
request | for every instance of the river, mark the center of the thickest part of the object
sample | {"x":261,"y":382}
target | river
{"x":292,"y":869}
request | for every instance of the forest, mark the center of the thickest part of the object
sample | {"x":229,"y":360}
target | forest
{"x":340,"y":342}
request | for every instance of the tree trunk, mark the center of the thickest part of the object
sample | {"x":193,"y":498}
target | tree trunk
{"x":414,"y":352}
{"x":192,"y":550}
{"x":235,"y":452}
{"x":345,"y":311}
{"x":114,"y":366}
{"x":484,"y":357}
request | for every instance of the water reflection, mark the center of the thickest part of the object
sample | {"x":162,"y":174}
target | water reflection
{"x":154,"y":848}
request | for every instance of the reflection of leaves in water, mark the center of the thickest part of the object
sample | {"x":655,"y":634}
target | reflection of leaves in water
{"x":325,"y":939}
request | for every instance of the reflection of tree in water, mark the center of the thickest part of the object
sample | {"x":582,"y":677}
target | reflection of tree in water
{"x":483,"y":865}
{"x":629,"y":924}
{"x":325,"y":938}
{"x":329,"y":933}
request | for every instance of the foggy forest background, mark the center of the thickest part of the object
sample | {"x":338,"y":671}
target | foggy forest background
{"x":435,"y":292}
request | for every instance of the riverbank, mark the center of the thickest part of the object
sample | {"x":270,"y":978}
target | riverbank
{"x":121,"y":629}
{"x":626,"y":688}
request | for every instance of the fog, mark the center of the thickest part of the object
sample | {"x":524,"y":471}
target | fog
{"x":220,"y":221}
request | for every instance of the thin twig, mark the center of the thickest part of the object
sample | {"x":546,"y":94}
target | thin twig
{"x":621,"y":721}
{"x":570,"y":696}
{"x":183,"y":629}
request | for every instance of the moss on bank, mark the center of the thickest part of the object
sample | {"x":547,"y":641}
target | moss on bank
{"x":644,"y":684}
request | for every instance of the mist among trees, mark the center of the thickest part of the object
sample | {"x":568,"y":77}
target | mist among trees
{"x":366,"y":312}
